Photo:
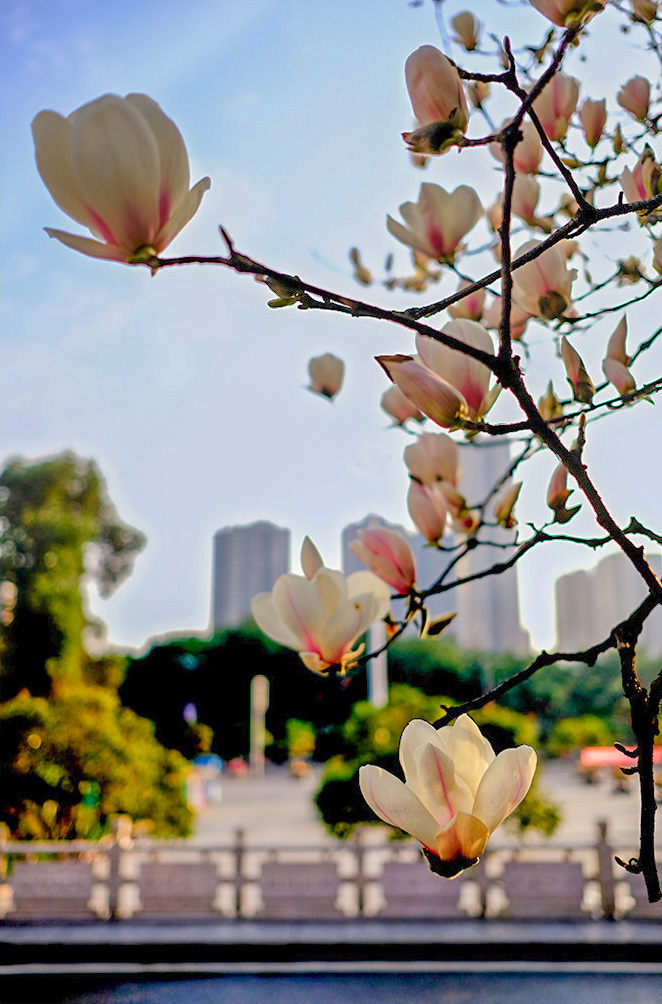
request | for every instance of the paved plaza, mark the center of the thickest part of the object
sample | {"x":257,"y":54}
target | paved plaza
{"x":278,"y":809}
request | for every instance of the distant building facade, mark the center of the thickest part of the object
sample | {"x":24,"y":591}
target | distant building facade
{"x":589,"y":603}
{"x":247,"y":560}
{"x":488,"y":616}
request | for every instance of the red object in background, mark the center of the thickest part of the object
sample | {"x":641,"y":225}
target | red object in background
{"x":609,"y":756}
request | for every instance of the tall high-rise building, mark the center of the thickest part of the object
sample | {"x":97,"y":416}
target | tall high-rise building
{"x":589,"y":603}
{"x":488,"y":617}
{"x":247,"y":560}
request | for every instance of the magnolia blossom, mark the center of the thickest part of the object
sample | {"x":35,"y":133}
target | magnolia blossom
{"x":519,"y":317}
{"x":526,"y":192}
{"x":644,"y":181}
{"x":439,"y":220}
{"x":428,"y":509}
{"x":634,"y":97}
{"x":578,"y":378}
{"x":644,"y":10}
{"x":558,"y":494}
{"x":616,"y":362}
{"x":555,"y":104}
{"x":504,"y":505}
{"x":657,"y":255}
{"x":399,"y":407}
{"x":528,"y":152}
{"x":456,"y":791}
{"x":549,"y":405}
{"x":593,"y":116}
{"x":569,"y":13}
{"x":433,"y":457}
{"x":478,"y":91}
{"x":119,"y":167}
{"x":467,"y":29}
{"x":322,"y":613}
{"x":326,"y":374}
{"x":388,"y":555}
{"x":437,"y":99}
{"x":543,"y":286}
{"x":470,"y":307}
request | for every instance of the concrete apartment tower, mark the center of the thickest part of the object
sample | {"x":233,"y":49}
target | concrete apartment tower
{"x":247,"y":560}
{"x":589,"y":603}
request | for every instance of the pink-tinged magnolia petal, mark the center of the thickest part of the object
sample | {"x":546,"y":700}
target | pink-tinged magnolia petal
{"x":314,"y":662}
{"x":52,"y":140}
{"x":616,"y":344}
{"x":555,"y":105}
{"x":344,"y":626}
{"x":557,"y":491}
{"x":434,"y":87}
{"x":528,"y":152}
{"x":393,"y":802}
{"x":433,"y":457}
{"x":504,"y":505}
{"x":311,"y":559}
{"x":388,"y":555}
{"x":270,"y":622}
{"x":618,"y":375}
{"x":117,"y":161}
{"x":399,"y":407}
{"x":467,"y":28}
{"x":569,"y":13}
{"x":469,"y":377}
{"x":368,"y":582}
{"x":431,"y":395}
{"x":93,"y":249}
{"x":543,"y":286}
{"x":300,"y":608}
{"x":578,"y":378}
{"x":468,"y":749}
{"x":428,"y":509}
{"x":439,"y":220}
{"x":185,"y":212}
{"x":331,"y":587}
{"x":464,"y":838}
{"x":470,"y":307}
{"x":634,"y":97}
{"x":175,"y":176}
{"x":593,"y":116}
{"x":442,"y":790}
{"x":415,"y":734}
{"x":504,"y":784}
{"x":632,"y":189}
{"x":326,"y":374}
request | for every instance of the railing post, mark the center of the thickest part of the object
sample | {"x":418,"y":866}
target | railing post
{"x":605,"y":871}
{"x":239,"y":849}
{"x":359,"y":851}
{"x":121,"y":839}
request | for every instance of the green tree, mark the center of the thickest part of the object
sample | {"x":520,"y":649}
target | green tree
{"x":57,"y":526}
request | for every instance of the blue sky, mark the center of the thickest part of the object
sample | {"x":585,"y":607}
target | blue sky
{"x":186,"y":388}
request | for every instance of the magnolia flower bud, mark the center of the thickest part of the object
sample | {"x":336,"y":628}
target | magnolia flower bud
{"x":549,"y":405}
{"x":467,"y":30}
{"x":519,"y":317}
{"x":644,"y":10}
{"x":433,"y":457}
{"x":119,"y":167}
{"x":543,"y":286}
{"x":555,"y":105}
{"x":616,"y":362}
{"x":388,"y":555}
{"x":643,"y":182}
{"x":558,"y":494}
{"x":326,"y":375}
{"x":399,"y":407}
{"x":526,"y":192}
{"x":569,"y":13}
{"x":593,"y":116}
{"x":428,"y":509}
{"x":503,"y":507}
{"x":581,"y":383}
{"x":470,"y":307}
{"x":430,"y":394}
{"x":361,"y":273}
{"x":438,"y":221}
{"x":657,"y":255}
{"x":478,"y":91}
{"x":528,"y":152}
{"x":634,"y":97}
{"x":437,"y":99}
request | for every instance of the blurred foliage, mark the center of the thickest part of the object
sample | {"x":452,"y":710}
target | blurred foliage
{"x":571,"y":734}
{"x":57,"y":526}
{"x":72,"y":761}
{"x":300,"y":737}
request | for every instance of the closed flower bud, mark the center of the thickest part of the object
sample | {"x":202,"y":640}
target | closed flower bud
{"x":433,"y":457}
{"x":616,"y":362}
{"x":555,"y":105}
{"x":119,"y":167}
{"x":361,"y":273}
{"x":478,"y":91}
{"x":634,"y":97}
{"x":569,"y":13}
{"x":456,"y":791}
{"x":581,"y":383}
{"x":439,"y":220}
{"x":519,"y":317}
{"x":470,"y":307}
{"x":428,"y":509}
{"x":558,"y":494}
{"x":593,"y":116}
{"x":504,"y":505}
{"x":644,"y":10}
{"x":326,"y":375}
{"x":430,"y":394}
{"x":388,"y":555}
{"x":399,"y":407}
{"x":543,"y":286}
{"x":528,"y":152}
{"x":467,"y":30}
{"x":549,"y":405}
{"x":437,"y":99}
{"x":643,"y":182}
